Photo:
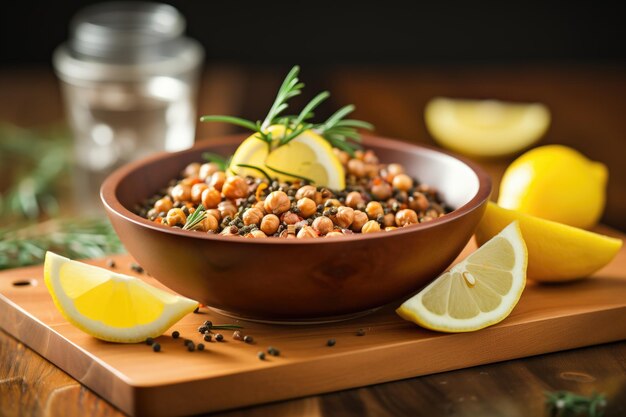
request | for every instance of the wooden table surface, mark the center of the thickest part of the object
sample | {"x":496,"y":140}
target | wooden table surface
{"x":588,"y":106}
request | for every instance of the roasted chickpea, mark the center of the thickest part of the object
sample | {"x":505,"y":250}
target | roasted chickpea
{"x":360,"y":218}
{"x":370,"y":227}
{"x":343,"y":156}
{"x":209,"y":224}
{"x":176,"y":217}
{"x":406,"y":217}
{"x":323,"y":225}
{"x":306,"y":191}
{"x":374,"y":209}
{"x":418,"y":201}
{"x":163,"y":205}
{"x":306,"y":232}
{"x":334,"y":234}
{"x":269,"y":224}
{"x":306,"y":206}
{"x":207,"y":169}
{"x":235,"y":187}
{"x":389,"y":220}
{"x":344,"y":217}
{"x":371,"y":170}
{"x":192,"y":170}
{"x":260,"y":206}
{"x":356,"y":167}
{"x":256,"y":234}
{"x":353,"y":199}
{"x":211,"y":197}
{"x":332,"y":202}
{"x":181,"y":192}
{"x":252,"y":216}
{"x":196,"y":192}
{"x":215,"y":213}
{"x":230,"y":231}
{"x":369,"y":157}
{"x":277,"y":202}
{"x":390,"y":228}
{"x":217,"y":180}
{"x":402,"y":182}
{"x":290,"y":218}
{"x":394,"y":169}
{"x":227,"y":208}
{"x":381,"y":190}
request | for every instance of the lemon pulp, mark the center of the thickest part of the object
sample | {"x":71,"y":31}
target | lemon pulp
{"x":485,"y":128}
{"x":307,"y":156}
{"x":556,"y":252}
{"x":477,"y":292}
{"x":111,"y":306}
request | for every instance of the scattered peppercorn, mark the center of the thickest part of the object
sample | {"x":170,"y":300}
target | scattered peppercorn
{"x":191,"y":346}
{"x":207,"y":337}
{"x":248,"y":339}
{"x":261,"y":355}
{"x":110,"y":263}
{"x":175,"y":334}
{"x":219,"y":337}
{"x":202,"y":329}
{"x":187,"y":342}
{"x":331,"y":342}
{"x":149,"y":341}
{"x":273,"y":351}
{"x":196,"y":310}
{"x":360,"y":332}
{"x":136,"y":267}
{"x":156,"y":347}
{"x":200,"y":346}
{"x":208,"y":323}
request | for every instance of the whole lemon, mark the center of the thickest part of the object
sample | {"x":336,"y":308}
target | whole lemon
{"x":557,"y":183}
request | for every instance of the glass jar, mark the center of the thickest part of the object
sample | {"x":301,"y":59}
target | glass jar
{"x":129,"y":79}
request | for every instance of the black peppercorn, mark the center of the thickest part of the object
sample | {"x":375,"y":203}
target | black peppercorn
{"x":261,"y":355}
{"x":360,"y":332}
{"x":156,"y":347}
{"x":196,"y":310}
{"x":111,"y":263}
{"x":331,"y":342}
{"x":248,"y":339}
{"x":175,"y":334}
{"x":200,"y":346}
{"x":207,"y":337}
{"x":219,"y":337}
{"x":149,"y":341}
{"x":208,"y":323}
{"x":202,"y":329}
{"x":136,"y":267}
{"x":273,"y":351}
{"x":191,"y":347}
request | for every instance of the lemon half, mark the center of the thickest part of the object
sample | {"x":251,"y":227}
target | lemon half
{"x":477,"y":292}
{"x":308,"y":156}
{"x":111,"y":306}
{"x":485,"y":128}
{"x":556,"y":252}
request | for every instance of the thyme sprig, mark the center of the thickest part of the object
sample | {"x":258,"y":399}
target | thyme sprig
{"x":565,"y":403}
{"x":195,"y":219}
{"x":338,"y":131}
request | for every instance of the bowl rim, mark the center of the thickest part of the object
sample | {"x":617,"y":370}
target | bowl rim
{"x":109,"y":187}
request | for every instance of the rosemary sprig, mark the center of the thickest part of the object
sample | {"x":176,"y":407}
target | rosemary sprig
{"x":225,"y":327}
{"x":262,"y":171}
{"x":195,"y":219}
{"x":338,"y":131}
{"x":566,"y":404}
{"x":74,"y":238}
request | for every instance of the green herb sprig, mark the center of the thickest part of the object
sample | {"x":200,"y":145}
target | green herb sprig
{"x":337,"y":130}
{"x":568,"y":404}
{"x":195,"y":219}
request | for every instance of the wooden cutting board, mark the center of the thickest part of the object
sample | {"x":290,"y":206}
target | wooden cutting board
{"x":229,"y":374}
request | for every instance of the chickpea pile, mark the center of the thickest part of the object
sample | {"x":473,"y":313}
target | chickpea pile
{"x":378,"y":197}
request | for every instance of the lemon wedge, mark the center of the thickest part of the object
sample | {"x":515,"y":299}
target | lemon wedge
{"x":557,"y":183}
{"x":485,"y":128}
{"x":307,"y":156}
{"x":556,"y":252}
{"x":111,"y":306}
{"x":477,"y":292}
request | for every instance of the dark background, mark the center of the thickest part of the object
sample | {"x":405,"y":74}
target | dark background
{"x":322,"y":33}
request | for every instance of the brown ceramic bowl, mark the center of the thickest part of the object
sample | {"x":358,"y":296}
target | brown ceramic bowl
{"x":301,"y":279}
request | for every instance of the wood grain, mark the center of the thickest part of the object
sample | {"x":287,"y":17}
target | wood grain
{"x":140,"y":382}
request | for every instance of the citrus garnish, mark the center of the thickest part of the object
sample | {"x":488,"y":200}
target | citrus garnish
{"x":556,"y":252}
{"x":477,"y":292}
{"x":557,"y":183}
{"x":485,"y":128}
{"x":111,"y":306}
{"x":290,"y":147}
{"x":307,"y":156}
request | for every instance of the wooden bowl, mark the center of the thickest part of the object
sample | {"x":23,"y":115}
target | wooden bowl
{"x":299,"y":279}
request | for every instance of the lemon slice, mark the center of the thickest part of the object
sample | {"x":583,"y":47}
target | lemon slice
{"x":556,"y":252}
{"x":485,"y":128}
{"x":308,"y":156}
{"x":477,"y":292}
{"x":111,"y":306}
